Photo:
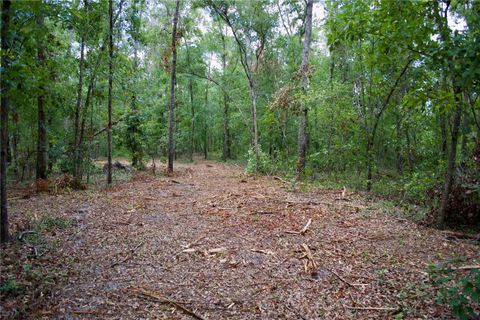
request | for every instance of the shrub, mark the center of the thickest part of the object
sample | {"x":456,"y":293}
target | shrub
{"x":461,"y":292}
{"x":265,"y":164}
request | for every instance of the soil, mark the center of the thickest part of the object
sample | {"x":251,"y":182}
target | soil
{"x":212,"y":243}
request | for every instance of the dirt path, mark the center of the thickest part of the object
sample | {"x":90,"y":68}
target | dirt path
{"x":215,"y":242}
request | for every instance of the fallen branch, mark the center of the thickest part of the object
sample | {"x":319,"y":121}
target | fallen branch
{"x":188,"y":246}
{"x":310,"y":263}
{"x":353,"y":285}
{"x":304,"y":229}
{"x":23,"y":233}
{"x":279,"y":179}
{"x":34,"y":248}
{"x":473,"y":267}
{"x":164,"y":299}
{"x":129,"y":256}
{"x":373,"y":308}
{"x":267,"y":252}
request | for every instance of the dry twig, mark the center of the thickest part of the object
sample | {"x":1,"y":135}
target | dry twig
{"x":373,"y":308}
{"x":162,"y":298}
{"x":304,"y":229}
{"x":129,"y":256}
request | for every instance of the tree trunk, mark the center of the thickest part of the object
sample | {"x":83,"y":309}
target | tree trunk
{"x":205,"y":122}
{"x":171,"y":127}
{"x":192,"y":119}
{"x":78,"y":109}
{"x":4,"y":89}
{"x":302,"y":128}
{"x":398,"y":144}
{"x":226,"y":130}
{"x":41,"y":172}
{"x":451,"y":159}
{"x":443,"y":130}
{"x":192,"y":110}
{"x":110,"y":87}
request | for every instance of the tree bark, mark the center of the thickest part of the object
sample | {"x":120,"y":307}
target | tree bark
{"x":4,"y":89}
{"x":110,"y":87}
{"x":302,"y":128}
{"x":41,"y":172}
{"x":442,"y":214}
{"x":171,"y":127}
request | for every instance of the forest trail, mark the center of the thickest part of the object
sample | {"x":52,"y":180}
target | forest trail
{"x":220,"y":244}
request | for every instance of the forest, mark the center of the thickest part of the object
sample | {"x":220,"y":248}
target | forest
{"x":240,"y":159}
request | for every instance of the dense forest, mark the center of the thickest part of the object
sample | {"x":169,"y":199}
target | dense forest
{"x":376,"y":98}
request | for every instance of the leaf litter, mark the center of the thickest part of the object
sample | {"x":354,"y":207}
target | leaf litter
{"x":212,"y":243}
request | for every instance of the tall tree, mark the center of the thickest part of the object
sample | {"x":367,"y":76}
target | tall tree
{"x":226,"y":113}
{"x":171,"y":125}
{"x":110,"y":87}
{"x":246,"y":35}
{"x":5,"y":91}
{"x":41,"y":171}
{"x":78,"y":108}
{"x":302,"y":128}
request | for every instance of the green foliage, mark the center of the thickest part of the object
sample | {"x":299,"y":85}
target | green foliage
{"x":265,"y":164}
{"x":49,"y":222}
{"x":10,"y":286}
{"x":461,"y":292}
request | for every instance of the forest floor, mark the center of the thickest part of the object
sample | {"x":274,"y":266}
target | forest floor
{"x":212,"y":243}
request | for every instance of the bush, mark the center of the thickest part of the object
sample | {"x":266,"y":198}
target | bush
{"x":265,"y":164}
{"x":461,"y":292}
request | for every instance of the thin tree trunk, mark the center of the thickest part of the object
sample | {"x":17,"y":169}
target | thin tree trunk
{"x":205,"y":122}
{"x":302,"y":128}
{"x":465,"y":129}
{"x":78,"y":108}
{"x":4,"y":89}
{"x":398,"y":144}
{"x":171,"y":127}
{"x":226,"y":130}
{"x":443,"y":130}
{"x":41,"y":172}
{"x":451,"y":159}
{"x":110,"y":87}
{"x":192,"y":119}
{"x":192,"y":110}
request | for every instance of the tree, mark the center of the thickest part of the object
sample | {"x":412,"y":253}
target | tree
{"x":302,"y":128}
{"x":110,"y":88}
{"x":250,"y":39}
{"x":41,"y":171}
{"x":5,"y":91}
{"x":171,"y":126}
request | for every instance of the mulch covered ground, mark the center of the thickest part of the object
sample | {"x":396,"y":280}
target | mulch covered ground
{"x":211,"y":243}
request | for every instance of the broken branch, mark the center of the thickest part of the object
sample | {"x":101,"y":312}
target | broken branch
{"x":304,"y":229}
{"x":129,"y":256}
{"x":162,"y":298}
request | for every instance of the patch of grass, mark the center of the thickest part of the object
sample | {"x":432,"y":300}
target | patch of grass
{"x":10,"y":286}
{"x":49,"y":222}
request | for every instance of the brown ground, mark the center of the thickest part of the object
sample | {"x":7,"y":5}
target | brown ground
{"x":213,"y":241}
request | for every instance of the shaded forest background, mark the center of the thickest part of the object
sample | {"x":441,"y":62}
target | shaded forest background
{"x":389,"y":96}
